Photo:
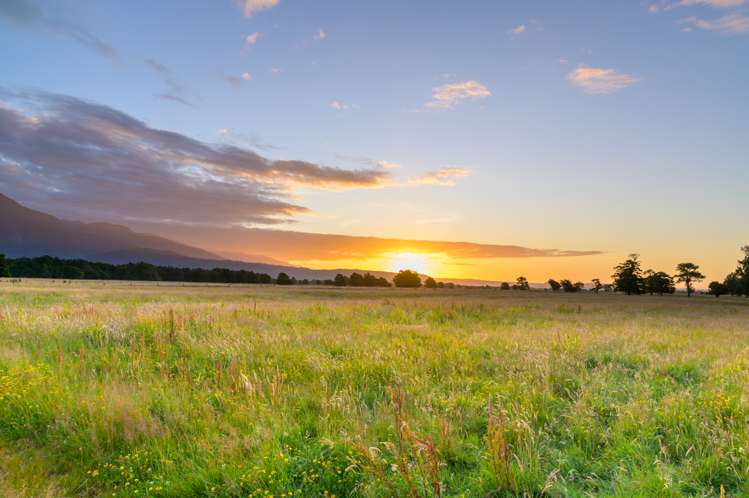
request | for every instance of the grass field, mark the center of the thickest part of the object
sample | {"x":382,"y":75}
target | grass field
{"x":128,"y":389}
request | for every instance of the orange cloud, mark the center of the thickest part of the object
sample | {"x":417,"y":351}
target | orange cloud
{"x":600,"y":80}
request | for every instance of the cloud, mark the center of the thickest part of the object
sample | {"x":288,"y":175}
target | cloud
{"x":252,"y":38}
{"x":320,"y":35}
{"x":664,"y":5}
{"x":176,"y":89}
{"x":600,"y":80}
{"x":236,"y":80}
{"x":731,"y":23}
{"x":301,"y":246}
{"x":174,"y":98}
{"x":249,"y":7}
{"x":91,"y":161}
{"x":29,"y":16}
{"x":521,"y":28}
{"x":449,"y":95}
{"x":443,"y":176}
{"x":339,"y":105}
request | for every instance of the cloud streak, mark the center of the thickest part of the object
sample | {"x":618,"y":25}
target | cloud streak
{"x":449,"y":95}
{"x":29,"y":16}
{"x":716,"y":4}
{"x":301,"y":247}
{"x":89,"y":160}
{"x":596,"y":80}
{"x":731,"y":24}
{"x":250,"y":7}
{"x":444,"y":176}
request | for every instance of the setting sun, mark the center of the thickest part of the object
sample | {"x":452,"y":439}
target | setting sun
{"x":419,"y":262}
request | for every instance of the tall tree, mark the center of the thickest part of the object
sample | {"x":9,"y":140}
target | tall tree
{"x":521,"y":283}
{"x":733,"y":284}
{"x":283,"y":279}
{"x":717,"y":289}
{"x":407,"y":278}
{"x":658,"y":282}
{"x":743,"y":272}
{"x":688,"y":273}
{"x":4,"y":267}
{"x":627,"y":275}
{"x":597,"y":285}
{"x":356,"y":280}
{"x":555,"y":286}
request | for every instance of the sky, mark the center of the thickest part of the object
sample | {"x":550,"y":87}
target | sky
{"x":576,"y":131}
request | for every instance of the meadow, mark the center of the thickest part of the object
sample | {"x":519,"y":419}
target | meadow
{"x":136,"y":389}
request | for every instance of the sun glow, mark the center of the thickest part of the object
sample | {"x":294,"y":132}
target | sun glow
{"x":405,"y":260}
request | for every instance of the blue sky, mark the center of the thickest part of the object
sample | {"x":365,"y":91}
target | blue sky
{"x":619,"y":126}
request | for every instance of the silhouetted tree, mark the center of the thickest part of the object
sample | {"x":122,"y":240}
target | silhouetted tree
{"x":597,"y":285}
{"x":627,"y":275}
{"x":505,"y":286}
{"x":430,"y":283}
{"x":340,"y":280}
{"x":521,"y":283}
{"x":568,"y":286}
{"x":658,"y":283}
{"x":4,"y":268}
{"x":742,"y":273}
{"x":356,"y":280}
{"x":555,"y":286}
{"x":717,"y":289}
{"x":407,"y":278}
{"x":283,"y":279}
{"x":733,"y":284}
{"x":688,"y":273}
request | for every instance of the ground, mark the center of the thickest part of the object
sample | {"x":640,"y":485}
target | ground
{"x":137,"y":389}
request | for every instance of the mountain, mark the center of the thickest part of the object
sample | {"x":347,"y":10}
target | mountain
{"x":26,"y":232}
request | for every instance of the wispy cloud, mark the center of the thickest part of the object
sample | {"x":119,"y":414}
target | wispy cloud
{"x":339,"y":105}
{"x":253,"y":38}
{"x":176,"y":89}
{"x":731,"y":23}
{"x":299,"y":246}
{"x":320,"y":35}
{"x":28,"y":15}
{"x":175,"y":98}
{"x":600,"y":80}
{"x":236,"y":80}
{"x":449,"y":95}
{"x":667,"y":5}
{"x":520,"y":28}
{"x":444,"y":177}
{"x":78,"y":154}
{"x":250,"y":7}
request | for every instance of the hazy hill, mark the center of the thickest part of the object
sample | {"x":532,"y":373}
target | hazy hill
{"x":26,"y":232}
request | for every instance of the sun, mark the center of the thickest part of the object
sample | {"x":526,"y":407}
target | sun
{"x":405,"y":260}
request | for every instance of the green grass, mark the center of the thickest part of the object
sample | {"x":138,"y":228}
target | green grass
{"x":132,"y":389}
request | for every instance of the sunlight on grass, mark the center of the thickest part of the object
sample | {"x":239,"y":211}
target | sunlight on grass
{"x":135,"y":389}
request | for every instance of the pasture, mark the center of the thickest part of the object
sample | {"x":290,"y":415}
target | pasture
{"x":139,"y":389}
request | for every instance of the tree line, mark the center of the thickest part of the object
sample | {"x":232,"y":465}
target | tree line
{"x":630,"y":278}
{"x":72,"y":269}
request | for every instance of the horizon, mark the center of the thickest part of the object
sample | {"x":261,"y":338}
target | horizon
{"x":482,"y":141}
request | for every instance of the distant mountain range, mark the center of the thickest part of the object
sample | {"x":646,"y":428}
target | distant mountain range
{"x":25,"y":232}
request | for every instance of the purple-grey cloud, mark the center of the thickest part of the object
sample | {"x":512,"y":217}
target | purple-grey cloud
{"x":91,"y":161}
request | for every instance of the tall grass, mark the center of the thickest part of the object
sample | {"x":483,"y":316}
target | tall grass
{"x":134,"y":389}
